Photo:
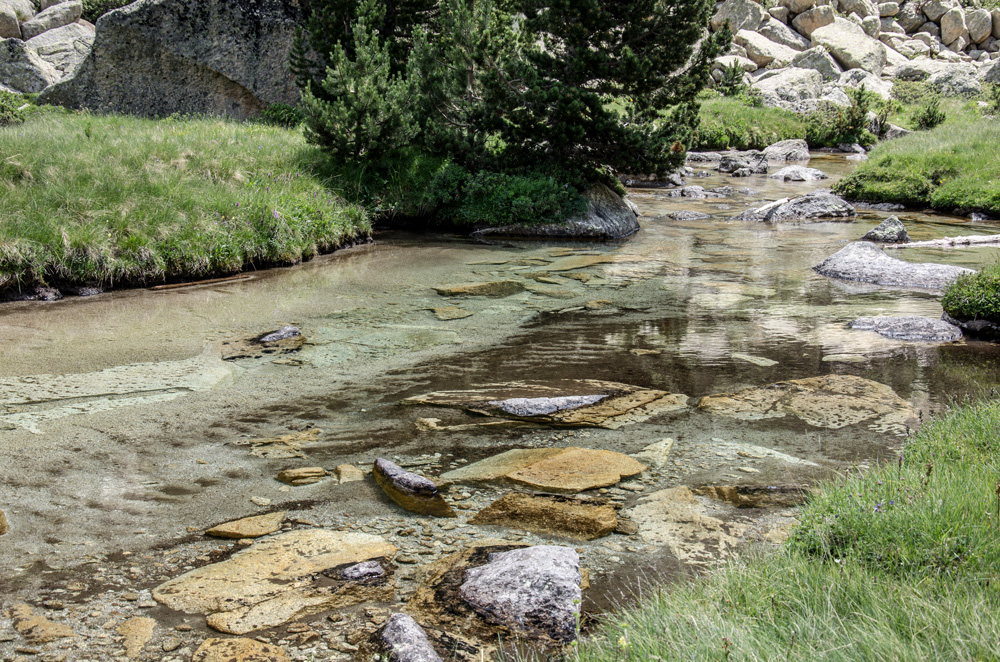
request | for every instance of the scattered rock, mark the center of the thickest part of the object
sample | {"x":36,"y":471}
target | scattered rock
{"x":4,"y":526}
{"x":534,"y":590}
{"x":762,"y":50}
{"x":137,"y":632}
{"x":850,"y":46}
{"x":889,"y":231}
{"x":286,"y":446}
{"x":787,"y":150}
{"x":403,"y":640}
{"x":819,"y":205}
{"x":249,"y":527}
{"x":495,"y":289}
{"x":685,"y":215}
{"x":656,"y":454}
{"x":363,"y":570}
{"x":756,"y":360}
{"x":284,"y":333}
{"x":865,"y":262}
{"x":921,"y":329}
{"x":54,"y":17}
{"x":612,"y":404}
{"x":37,"y":629}
{"x":64,"y":48}
{"x":302,"y":476}
{"x":563,"y":470}
{"x":280,"y":579}
{"x":584,"y":519}
{"x":798,"y":174}
{"x":786,"y":88}
{"x":756,"y":496}
{"x":411,"y":491}
{"x":239,"y":650}
{"x":283,"y":341}
{"x":447,"y":313}
{"x":348,"y":473}
{"x":830,"y":401}
{"x":22,"y":70}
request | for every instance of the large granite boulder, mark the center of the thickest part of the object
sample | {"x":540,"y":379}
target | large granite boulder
{"x":865,"y":262}
{"x":158,"y":57}
{"x":607,"y":217}
{"x":787,"y":150}
{"x":54,"y":17}
{"x":762,"y":50}
{"x":785,"y":88}
{"x":816,"y":205}
{"x":740,"y":15}
{"x":10,"y":26}
{"x":819,"y":59}
{"x":809,"y":21}
{"x":850,"y":46}
{"x":22,"y":70}
{"x":64,"y":48}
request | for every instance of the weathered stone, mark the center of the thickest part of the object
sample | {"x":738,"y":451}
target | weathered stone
{"x":284,"y":447}
{"x":137,"y":632}
{"x":23,"y":10}
{"x":810,"y":21}
{"x":363,"y":570}
{"x":894,"y":132}
{"x":533,"y":590}
{"x":863,"y":8}
{"x":411,"y":491}
{"x":565,"y":470}
{"x":279,"y":579}
{"x":22,"y":70}
{"x":284,"y":333}
{"x":910,"y":16}
{"x":54,"y":17}
{"x":787,"y":87}
{"x":818,"y":59}
{"x":888,"y":9}
{"x":865,"y":262}
{"x":779,"y":14}
{"x":857,"y":78}
{"x":608,"y":217}
{"x":585,"y":519}
{"x":348,"y":473}
{"x":4,"y":526}
{"x":494,"y":289}
{"x":746,"y":64}
{"x":850,"y":46}
{"x":812,"y":205}
{"x":283,"y":341}
{"x":787,"y":150}
{"x":656,"y":454}
{"x":996,"y":22}
{"x":921,"y":329}
{"x":37,"y":629}
{"x":983,"y":329}
{"x":239,"y":650}
{"x":889,"y":231}
{"x":64,"y":48}
{"x":960,"y":79}
{"x":447,"y":313}
{"x":762,"y":50}
{"x":871,"y":25}
{"x":403,"y":640}
{"x":302,"y":476}
{"x":160,"y":57}
{"x":621,"y":404}
{"x":249,"y":527}
{"x":798,"y":6}
{"x":831,"y":401}
{"x":889,"y":26}
{"x":780,"y":33}
{"x":740,"y":15}
{"x":797,"y":173}
{"x":953,"y":25}
{"x":935,"y":9}
{"x":756,"y":496}
{"x":10,"y":27}
{"x":979,"y":22}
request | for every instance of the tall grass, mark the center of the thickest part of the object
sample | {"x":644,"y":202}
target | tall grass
{"x":113,"y":200}
{"x":731,"y":123}
{"x":896,"y":563}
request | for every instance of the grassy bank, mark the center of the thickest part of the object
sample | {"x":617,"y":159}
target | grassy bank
{"x":732,"y":123}
{"x":896,"y":563}
{"x":111,"y":201}
{"x":953,"y":166}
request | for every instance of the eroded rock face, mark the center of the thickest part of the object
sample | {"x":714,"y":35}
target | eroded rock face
{"x":921,"y":329}
{"x":830,"y":401}
{"x":584,"y":519}
{"x":249,"y":527}
{"x":534,"y":590}
{"x":608,"y":217}
{"x":568,"y":403}
{"x":277,"y":580}
{"x":35,"y":628}
{"x":238,"y":650}
{"x":411,"y":491}
{"x":21,"y":68}
{"x":865,"y":262}
{"x":64,"y":48}
{"x":158,"y":57}
{"x":889,"y":231}
{"x":403,"y":640}
{"x":564,"y":470}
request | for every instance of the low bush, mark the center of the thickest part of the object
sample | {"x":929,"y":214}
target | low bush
{"x":282,"y":114}
{"x":833,"y":125}
{"x":929,"y":115}
{"x":94,"y":9}
{"x":975,"y":296}
{"x":12,"y":108}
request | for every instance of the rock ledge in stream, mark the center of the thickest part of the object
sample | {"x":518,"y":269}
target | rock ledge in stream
{"x":608,"y":216}
{"x":238,"y":650}
{"x":819,"y":205}
{"x":865,"y":262}
{"x":411,"y":491}
{"x":249,"y":527}
{"x":909,"y":328}
{"x":584,"y":519}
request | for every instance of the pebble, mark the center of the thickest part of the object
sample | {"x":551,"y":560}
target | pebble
{"x":260,"y":501}
{"x":170,"y":644}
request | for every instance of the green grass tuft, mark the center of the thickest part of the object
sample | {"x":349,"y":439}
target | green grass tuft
{"x":731,"y":123}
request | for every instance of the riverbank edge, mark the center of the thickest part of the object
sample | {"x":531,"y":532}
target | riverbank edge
{"x":860,"y":574}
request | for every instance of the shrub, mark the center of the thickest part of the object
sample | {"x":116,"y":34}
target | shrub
{"x":833,"y":125}
{"x":742,"y":122}
{"x":281,"y":114}
{"x":993,"y":99}
{"x":12,"y":110}
{"x":912,"y":92}
{"x":975,"y":296}
{"x":731,"y":83}
{"x":94,"y":9}
{"x":929,"y":116}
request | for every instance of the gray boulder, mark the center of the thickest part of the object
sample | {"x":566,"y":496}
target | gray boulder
{"x":534,"y":590}
{"x":980,"y":25}
{"x":797,"y":173}
{"x":786,"y":88}
{"x":863,"y":8}
{"x":953,"y":25}
{"x":607,"y":217}
{"x":935,"y":9}
{"x":10,"y":26}
{"x":959,"y":79}
{"x":64,"y":48}
{"x":889,"y":231}
{"x":809,"y":21}
{"x":850,"y":46}
{"x":403,"y":640}
{"x":817,"y":205}
{"x":732,"y":163}
{"x":54,"y":17}
{"x":888,"y":9}
{"x":894,"y":132}
{"x":762,"y":50}
{"x":158,"y":57}
{"x":921,"y":329}
{"x":819,"y":59}
{"x":22,"y":70}
{"x":780,"y":33}
{"x":787,"y":150}
{"x":859,"y":77}
{"x":910,"y":16}
{"x":865,"y":262}
{"x":740,"y":14}
{"x":23,"y":10}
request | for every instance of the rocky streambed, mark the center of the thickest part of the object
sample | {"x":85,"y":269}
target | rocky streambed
{"x":593,"y":416}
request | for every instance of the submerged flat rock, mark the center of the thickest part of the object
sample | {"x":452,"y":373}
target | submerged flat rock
{"x":239,"y":650}
{"x":565,"y":470}
{"x":277,"y":580}
{"x":756,"y":496}
{"x":494,"y":289}
{"x":922,"y":329}
{"x":830,"y":401}
{"x":249,"y":527}
{"x":584,"y":519}
{"x":865,"y":262}
{"x":568,"y":403}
